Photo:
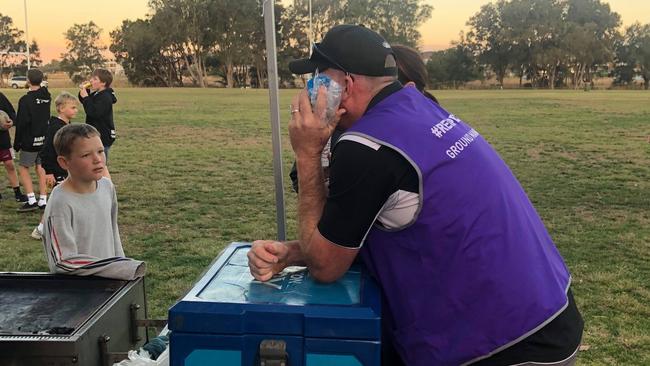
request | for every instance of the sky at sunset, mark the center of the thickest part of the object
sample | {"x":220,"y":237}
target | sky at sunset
{"x":48,"y":20}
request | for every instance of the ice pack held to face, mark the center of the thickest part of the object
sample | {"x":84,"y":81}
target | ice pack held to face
{"x":334,"y":91}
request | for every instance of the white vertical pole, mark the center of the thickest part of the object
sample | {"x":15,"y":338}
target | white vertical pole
{"x":26,"y":34}
{"x":272,"y":66}
{"x":311,"y":32}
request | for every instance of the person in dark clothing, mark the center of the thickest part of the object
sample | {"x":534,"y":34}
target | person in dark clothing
{"x":98,"y":102}
{"x":32,"y":117}
{"x":5,"y":148}
{"x":66,"y":107}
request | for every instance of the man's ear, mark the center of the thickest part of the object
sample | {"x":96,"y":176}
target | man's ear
{"x":411,"y":83}
{"x":63,"y":163}
{"x":349,"y":87}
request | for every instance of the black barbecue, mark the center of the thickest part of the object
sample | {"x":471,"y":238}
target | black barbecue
{"x":54,"y":320}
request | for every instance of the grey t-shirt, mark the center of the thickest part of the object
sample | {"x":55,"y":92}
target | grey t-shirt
{"x":81,"y":237}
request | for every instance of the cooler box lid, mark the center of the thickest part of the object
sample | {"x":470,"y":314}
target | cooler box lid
{"x":228,"y":300}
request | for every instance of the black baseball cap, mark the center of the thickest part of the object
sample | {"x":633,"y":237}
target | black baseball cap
{"x":350,"y":48}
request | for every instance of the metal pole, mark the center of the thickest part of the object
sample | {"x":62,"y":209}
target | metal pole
{"x":272,"y":66}
{"x":311,"y":32}
{"x":26,"y":34}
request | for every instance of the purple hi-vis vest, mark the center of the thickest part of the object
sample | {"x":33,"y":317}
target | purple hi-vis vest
{"x":476,"y":271}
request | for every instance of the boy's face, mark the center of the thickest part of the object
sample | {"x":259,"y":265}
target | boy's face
{"x":96,"y":84}
{"x":86,"y":161}
{"x":68,"y":110}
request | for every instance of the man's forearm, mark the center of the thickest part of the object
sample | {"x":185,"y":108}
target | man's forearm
{"x":311,"y":199}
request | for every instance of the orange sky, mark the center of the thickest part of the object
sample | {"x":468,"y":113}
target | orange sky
{"x":49,"y":19}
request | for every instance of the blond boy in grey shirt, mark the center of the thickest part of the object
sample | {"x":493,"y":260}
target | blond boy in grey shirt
{"x":80,"y":235}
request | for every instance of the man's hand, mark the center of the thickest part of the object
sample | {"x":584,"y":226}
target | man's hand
{"x":49,"y":180}
{"x":310,"y":130}
{"x":83,"y":92}
{"x":266,"y":258}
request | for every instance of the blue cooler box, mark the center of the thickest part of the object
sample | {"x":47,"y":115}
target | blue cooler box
{"x":230,"y":319}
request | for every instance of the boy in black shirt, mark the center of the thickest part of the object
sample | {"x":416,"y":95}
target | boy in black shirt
{"x":98,"y":102}
{"x":5,"y":145}
{"x":33,"y":114}
{"x":66,"y":108}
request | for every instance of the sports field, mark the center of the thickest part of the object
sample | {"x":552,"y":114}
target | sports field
{"x":193,"y":170}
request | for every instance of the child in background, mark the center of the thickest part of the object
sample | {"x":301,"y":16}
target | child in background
{"x":98,"y":99}
{"x":31,"y":124}
{"x":5,"y":147}
{"x":66,"y":107}
{"x":81,"y":235}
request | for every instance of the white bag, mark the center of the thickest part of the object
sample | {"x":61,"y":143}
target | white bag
{"x":142,"y":358}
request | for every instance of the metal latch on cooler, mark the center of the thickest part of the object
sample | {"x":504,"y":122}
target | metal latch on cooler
{"x":273,"y":352}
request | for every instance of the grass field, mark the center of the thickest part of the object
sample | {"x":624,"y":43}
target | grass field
{"x":193,"y":173}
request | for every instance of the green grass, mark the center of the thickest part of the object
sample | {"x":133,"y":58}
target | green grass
{"x":193,"y":170}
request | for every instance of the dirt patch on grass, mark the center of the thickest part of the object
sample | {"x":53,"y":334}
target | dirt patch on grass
{"x":618,"y":216}
{"x":585,"y":214}
{"x":568,"y":155}
{"x":534,"y":152}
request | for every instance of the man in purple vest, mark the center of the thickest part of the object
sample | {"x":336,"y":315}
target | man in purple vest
{"x":468,"y":271}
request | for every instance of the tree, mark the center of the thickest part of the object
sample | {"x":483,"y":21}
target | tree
{"x":325,"y":15}
{"x":293,"y":40}
{"x":195,"y":38}
{"x":541,"y":39}
{"x":487,"y":37}
{"x":191,"y":27}
{"x":139,"y":48}
{"x":539,"y":28}
{"x":20,"y":63}
{"x":53,"y":66}
{"x":396,"y":21}
{"x":633,"y":55}
{"x":239,"y":33}
{"x":10,"y":41}
{"x":255,"y":54}
{"x":35,"y":55}
{"x":590,"y":38}
{"x":84,"y":50}
{"x":639,"y":37}
{"x":453,"y":67}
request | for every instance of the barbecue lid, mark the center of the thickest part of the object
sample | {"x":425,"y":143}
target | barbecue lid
{"x":44,"y":304}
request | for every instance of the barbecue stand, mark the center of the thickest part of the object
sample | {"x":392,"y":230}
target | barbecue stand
{"x":59,"y":320}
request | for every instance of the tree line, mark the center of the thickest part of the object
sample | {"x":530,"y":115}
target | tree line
{"x":543,"y":43}
{"x":194,"y":39}
{"x":547,"y":44}
{"x":12,"y":42}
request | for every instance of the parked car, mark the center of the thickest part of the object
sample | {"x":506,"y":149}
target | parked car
{"x":18,"y":82}
{"x":21,"y":82}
